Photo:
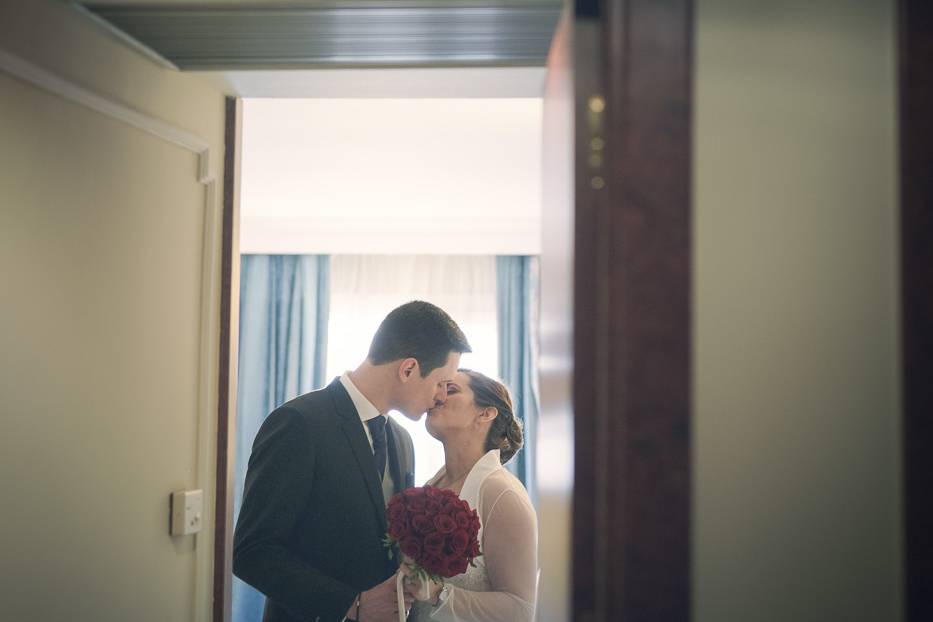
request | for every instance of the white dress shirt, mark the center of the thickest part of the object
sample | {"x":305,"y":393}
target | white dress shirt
{"x":364,"y":408}
{"x":366,"y":411}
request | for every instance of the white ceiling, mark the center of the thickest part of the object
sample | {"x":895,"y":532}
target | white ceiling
{"x":416,"y":131}
{"x":400,"y":176}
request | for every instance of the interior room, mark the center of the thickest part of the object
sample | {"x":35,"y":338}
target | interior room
{"x":350,"y":207}
{"x":692,"y":236}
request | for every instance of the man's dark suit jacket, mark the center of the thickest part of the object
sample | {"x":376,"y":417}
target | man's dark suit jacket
{"x":309,"y":534}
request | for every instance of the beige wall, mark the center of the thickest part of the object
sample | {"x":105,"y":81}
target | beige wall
{"x":101,"y":242}
{"x":796,"y":355}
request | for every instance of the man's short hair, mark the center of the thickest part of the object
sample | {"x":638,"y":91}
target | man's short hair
{"x":417,"y":330}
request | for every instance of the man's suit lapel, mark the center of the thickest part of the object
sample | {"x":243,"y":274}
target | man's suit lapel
{"x":353,"y":429}
{"x":396,"y":453}
{"x":398,"y":467}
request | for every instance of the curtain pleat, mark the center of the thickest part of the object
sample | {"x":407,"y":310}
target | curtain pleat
{"x":517,"y":296}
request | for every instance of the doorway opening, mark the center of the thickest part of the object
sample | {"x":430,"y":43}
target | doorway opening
{"x":354,"y":203}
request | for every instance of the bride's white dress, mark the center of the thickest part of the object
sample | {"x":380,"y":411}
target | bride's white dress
{"x":502,"y":585}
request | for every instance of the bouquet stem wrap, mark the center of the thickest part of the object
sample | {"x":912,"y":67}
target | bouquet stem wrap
{"x":400,"y":593}
{"x":423,"y":592}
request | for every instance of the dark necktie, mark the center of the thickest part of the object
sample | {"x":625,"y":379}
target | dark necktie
{"x":377,"y":427}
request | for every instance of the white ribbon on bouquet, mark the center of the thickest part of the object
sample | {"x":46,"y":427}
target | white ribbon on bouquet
{"x":423,"y":592}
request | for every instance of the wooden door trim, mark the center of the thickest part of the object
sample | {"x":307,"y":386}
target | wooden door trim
{"x":915,"y":43}
{"x":226,"y":383}
{"x":632,"y":391}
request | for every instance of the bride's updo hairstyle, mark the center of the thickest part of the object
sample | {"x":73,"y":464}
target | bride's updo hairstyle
{"x":505,"y":433}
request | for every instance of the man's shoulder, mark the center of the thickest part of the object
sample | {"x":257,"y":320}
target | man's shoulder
{"x":312,"y":399}
{"x":312,"y":406}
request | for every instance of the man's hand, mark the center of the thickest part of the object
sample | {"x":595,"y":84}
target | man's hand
{"x":380,"y":604}
{"x":418,"y":589}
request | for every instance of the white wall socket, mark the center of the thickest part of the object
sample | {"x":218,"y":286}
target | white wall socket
{"x":187,"y":510}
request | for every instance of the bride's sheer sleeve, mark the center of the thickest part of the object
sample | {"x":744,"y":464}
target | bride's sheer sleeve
{"x":510,"y":550}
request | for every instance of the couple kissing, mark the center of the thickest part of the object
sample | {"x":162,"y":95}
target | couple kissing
{"x":312,"y":528}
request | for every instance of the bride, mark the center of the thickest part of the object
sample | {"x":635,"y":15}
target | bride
{"x":480,"y":433}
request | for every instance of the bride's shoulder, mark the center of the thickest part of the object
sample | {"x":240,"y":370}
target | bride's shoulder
{"x":503,"y":483}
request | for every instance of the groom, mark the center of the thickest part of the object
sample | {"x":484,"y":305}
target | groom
{"x":310,"y":529}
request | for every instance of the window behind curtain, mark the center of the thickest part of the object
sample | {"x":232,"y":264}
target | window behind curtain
{"x":364,"y":288}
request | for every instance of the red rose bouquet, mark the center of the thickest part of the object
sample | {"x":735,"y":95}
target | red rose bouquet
{"x":435,"y":529}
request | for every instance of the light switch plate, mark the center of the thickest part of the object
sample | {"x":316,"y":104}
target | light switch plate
{"x":187,"y":510}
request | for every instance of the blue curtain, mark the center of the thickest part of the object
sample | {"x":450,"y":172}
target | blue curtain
{"x":517,"y":298}
{"x":284,"y":302}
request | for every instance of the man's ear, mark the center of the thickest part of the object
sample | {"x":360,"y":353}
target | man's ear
{"x":408,"y":369}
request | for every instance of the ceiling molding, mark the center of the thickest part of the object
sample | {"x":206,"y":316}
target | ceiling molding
{"x":334,"y":35}
{"x":52,"y":83}
{"x":391,"y":83}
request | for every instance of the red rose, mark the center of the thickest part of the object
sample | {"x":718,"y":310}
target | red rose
{"x":399,"y":529}
{"x":397,"y":519}
{"x":411,"y":547}
{"x":435,"y":564}
{"x":463,"y":519}
{"x":434,"y":543}
{"x":422,"y":523}
{"x":458,"y":542}
{"x":444,"y":523}
{"x":474,"y":523}
{"x":414,"y":498}
{"x":396,"y":511}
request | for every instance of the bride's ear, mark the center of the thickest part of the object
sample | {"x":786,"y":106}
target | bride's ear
{"x":489,"y":413}
{"x":407,"y":369}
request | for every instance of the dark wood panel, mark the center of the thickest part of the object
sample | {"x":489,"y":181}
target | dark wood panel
{"x":223,"y":507}
{"x":589,"y":337}
{"x":632,"y":312}
{"x":916,"y":151}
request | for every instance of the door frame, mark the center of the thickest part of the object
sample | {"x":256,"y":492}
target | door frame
{"x":915,"y":51}
{"x":628,"y":423}
{"x":228,"y":355}
{"x":632,"y":315}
